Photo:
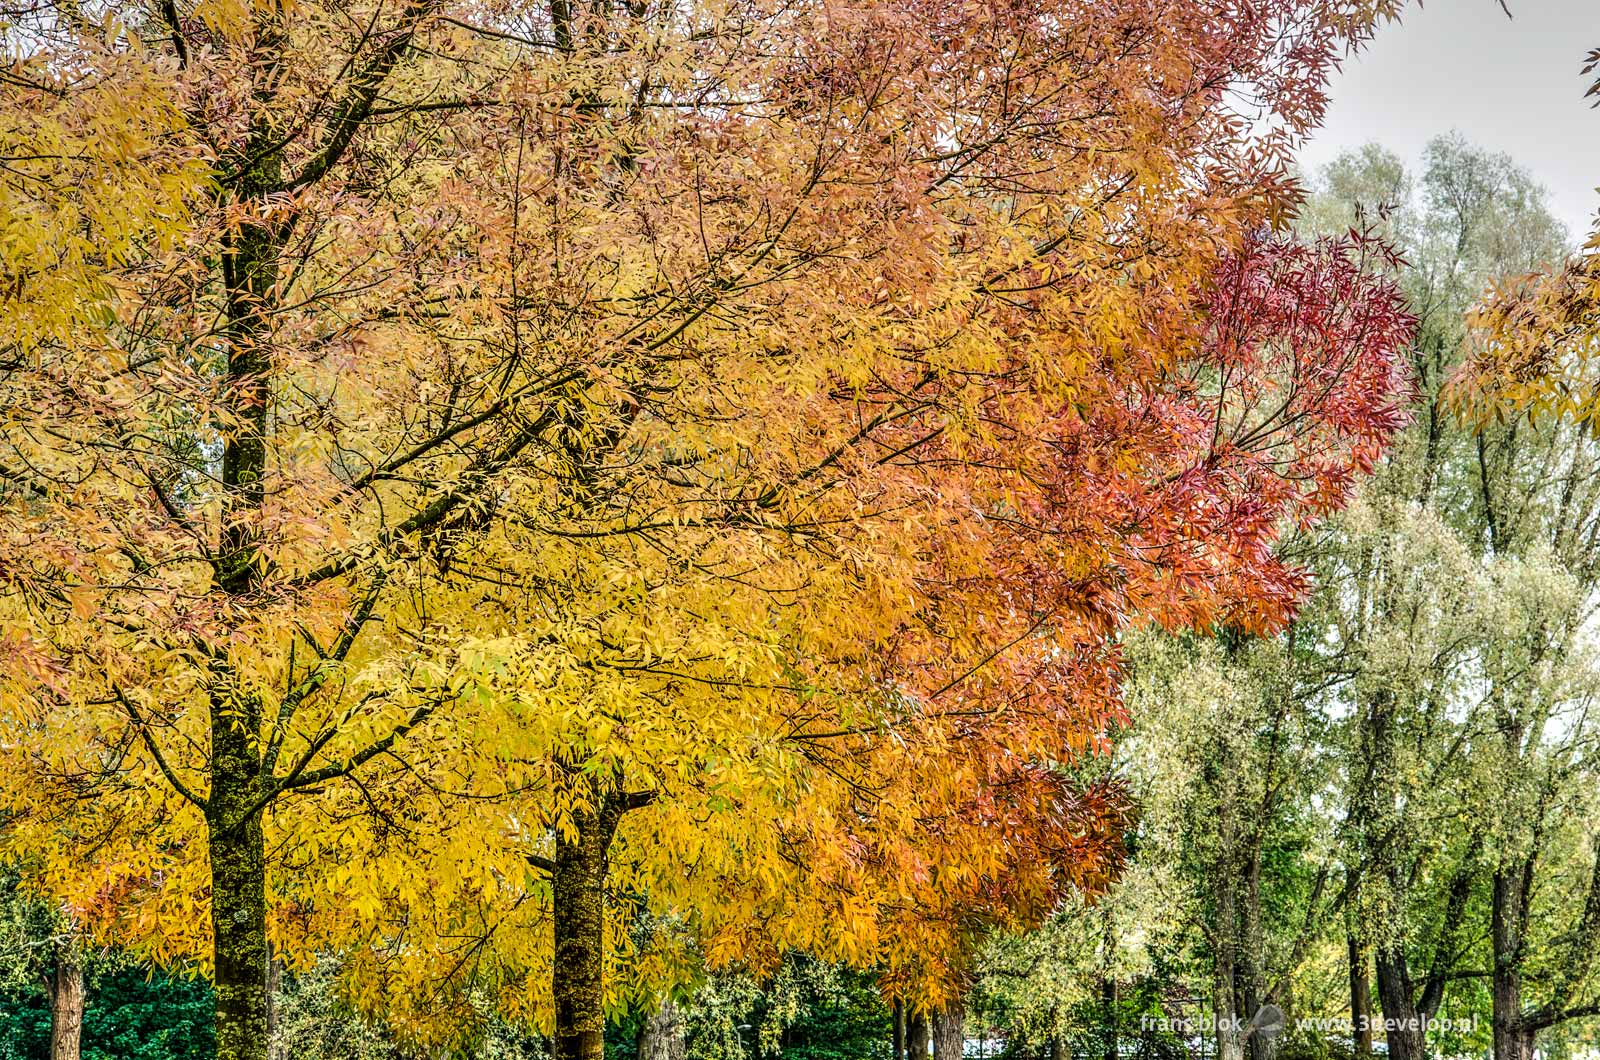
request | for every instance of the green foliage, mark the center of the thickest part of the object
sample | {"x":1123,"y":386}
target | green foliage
{"x":1333,"y":782}
{"x":810,"y":1010}
{"x":133,"y":1014}
{"x":829,"y":1013}
{"x":314,"y":1022}
{"x":1124,"y":1025}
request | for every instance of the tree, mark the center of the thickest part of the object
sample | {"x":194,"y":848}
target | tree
{"x":1471,"y":662}
{"x":1530,"y":385}
{"x":534,"y":455}
{"x":62,"y":999}
{"x":38,"y":948}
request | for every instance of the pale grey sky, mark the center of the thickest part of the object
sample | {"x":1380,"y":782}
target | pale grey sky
{"x":1509,"y":85}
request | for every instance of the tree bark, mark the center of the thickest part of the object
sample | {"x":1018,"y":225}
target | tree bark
{"x":948,"y":1030}
{"x":1248,"y":967}
{"x":1513,"y":1039}
{"x":916,"y":1036}
{"x":578,"y":973}
{"x":1360,"y":999}
{"x":234,"y":806}
{"x":661,"y":1037}
{"x":238,"y":909}
{"x":67,"y":1000}
{"x":898,"y":1033}
{"x":1402,"y":1024}
{"x":1225,"y":934}
{"x":274,"y":983}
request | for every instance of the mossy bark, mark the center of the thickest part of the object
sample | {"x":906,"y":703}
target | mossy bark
{"x":578,"y":974}
{"x":238,"y":892}
{"x":235,"y":804}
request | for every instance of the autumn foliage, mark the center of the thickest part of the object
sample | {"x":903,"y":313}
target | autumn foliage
{"x":508,"y":467}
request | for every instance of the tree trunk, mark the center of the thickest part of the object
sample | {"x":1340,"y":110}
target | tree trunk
{"x":898,"y":1033}
{"x":274,"y":984}
{"x":1229,"y":1033}
{"x":1360,"y":999}
{"x":67,"y":1000}
{"x":948,"y":1030}
{"x":238,"y":912}
{"x":1402,"y":1027}
{"x":916,"y":1036}
{"x":1108,"y":1006}
{"x":1513,"y":1039}
{"x":577,"y":975}
{"x":1378,"y":829}
{"x":1248,"y":966}
{"x":235,"y":804}
{"x":1224,"y":1001}
{"x":1517,"y":1045}
{"x":661,"y":1037}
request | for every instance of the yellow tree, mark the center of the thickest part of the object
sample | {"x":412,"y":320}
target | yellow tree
{"x":502,"y":455}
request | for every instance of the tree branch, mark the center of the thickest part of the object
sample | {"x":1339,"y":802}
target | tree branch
{"x":155,"y":751}
{"x":297,"y":779}
{"x":354,"y":109}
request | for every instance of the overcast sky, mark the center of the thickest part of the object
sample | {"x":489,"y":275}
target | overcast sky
{"x":1512,"y":85}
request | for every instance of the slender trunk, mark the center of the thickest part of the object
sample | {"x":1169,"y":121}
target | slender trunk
{"x":1249,"y":971}
{"x":1228,"y":1028}
{"x":1108,"y":1006}
{"x":578,"y":973}
{"x":1360,"y":999}
{"x":661,"y":1037}
{"x":274,"y":982}
{"x":916,"y":1036}
{"x":1108,"y":983}
{"x":1224,"y":999}
{"x":898,"y":1044}
{"x":948,"y":1030}
{"x":67,"y":1000}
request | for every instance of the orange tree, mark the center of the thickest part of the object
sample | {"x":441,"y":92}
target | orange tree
{"x":972,"y":808}
{"x":511,"y":455}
